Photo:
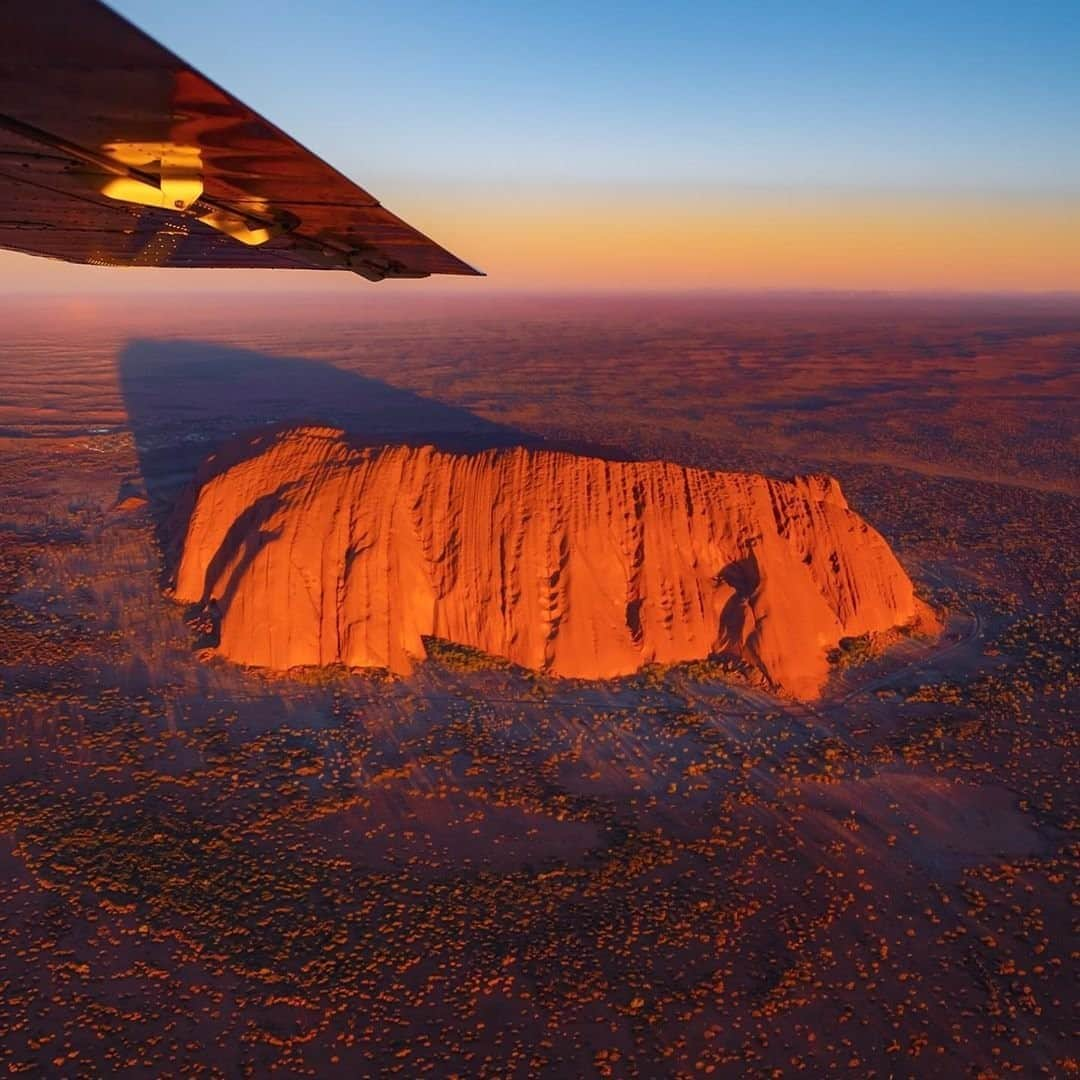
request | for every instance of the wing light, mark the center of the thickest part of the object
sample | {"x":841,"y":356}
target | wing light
{"x":235,"y":226}
{"x":178,"y":170}
{"x":179,"y":173}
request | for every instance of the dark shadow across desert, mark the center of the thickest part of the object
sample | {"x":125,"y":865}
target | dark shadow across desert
{"x":185,"y":398}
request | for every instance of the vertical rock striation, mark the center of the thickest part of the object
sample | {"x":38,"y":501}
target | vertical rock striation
{"x":318,"y":551}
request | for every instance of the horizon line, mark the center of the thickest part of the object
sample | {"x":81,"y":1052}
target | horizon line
{"x":445,"y":290}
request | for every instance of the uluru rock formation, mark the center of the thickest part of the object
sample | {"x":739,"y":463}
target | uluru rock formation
{"x":317,"y":550}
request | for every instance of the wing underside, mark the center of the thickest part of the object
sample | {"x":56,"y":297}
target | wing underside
{"x":114,"y":152}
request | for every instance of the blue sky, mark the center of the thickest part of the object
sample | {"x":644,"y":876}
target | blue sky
{"x":874,"y":97}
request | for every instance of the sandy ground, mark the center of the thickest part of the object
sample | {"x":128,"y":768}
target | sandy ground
{"x":209,"y":870}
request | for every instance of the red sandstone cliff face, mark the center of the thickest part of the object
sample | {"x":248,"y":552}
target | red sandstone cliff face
{"x":320,"y":552}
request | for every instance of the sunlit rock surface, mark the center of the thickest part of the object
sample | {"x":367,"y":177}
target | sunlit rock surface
{"x":317,"y":551}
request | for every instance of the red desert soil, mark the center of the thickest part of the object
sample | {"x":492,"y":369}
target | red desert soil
{"x":319,"y":551}
{"x":936,"y":823}
{"x":435,"y":833}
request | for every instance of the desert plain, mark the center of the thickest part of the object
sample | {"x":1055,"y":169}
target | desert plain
{"x":477,"y":869}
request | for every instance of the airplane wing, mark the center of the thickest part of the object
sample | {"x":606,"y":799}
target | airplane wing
{"x":115,"y":152}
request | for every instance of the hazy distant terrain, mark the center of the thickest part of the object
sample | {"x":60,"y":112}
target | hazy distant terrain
{"x":479,"y":870}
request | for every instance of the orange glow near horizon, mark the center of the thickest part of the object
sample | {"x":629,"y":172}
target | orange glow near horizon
{"x":653,"y":240}
{"x":774,"y":243}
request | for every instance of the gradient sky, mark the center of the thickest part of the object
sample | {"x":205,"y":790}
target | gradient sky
{"x":595,"y":144}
